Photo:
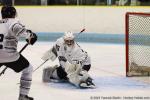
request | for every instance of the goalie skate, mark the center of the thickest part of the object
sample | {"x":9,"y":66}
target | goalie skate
{"x":57,"y":80}
{"x":25,"y":97}
{"x":87,"y":84}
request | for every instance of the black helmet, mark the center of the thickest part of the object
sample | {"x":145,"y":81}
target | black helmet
{"x":8,"y":12}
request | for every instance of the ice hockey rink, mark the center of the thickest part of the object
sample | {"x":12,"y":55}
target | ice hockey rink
{"x":108,"y":72}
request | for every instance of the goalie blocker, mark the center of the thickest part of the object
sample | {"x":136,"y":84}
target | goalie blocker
{"x":50,"y":55}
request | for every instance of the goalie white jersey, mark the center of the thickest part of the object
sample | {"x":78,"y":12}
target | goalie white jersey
{"x":10,"y":31}
{"x":74,"y":62}
{"x":73,"y":54}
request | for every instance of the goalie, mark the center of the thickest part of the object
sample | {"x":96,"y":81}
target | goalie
{"x":74,"y":62}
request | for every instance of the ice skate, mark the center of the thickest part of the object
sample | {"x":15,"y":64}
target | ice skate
{"x":25,"y":97}
{"x":87,"y":84}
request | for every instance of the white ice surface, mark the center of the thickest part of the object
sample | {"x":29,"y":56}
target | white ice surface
{"x":108,"y":72}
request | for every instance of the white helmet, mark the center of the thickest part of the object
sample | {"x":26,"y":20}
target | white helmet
{"x":69,"y":38}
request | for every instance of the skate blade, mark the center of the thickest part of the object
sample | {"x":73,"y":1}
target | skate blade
{"x":88,"y":87}
{"x":58,"y":81}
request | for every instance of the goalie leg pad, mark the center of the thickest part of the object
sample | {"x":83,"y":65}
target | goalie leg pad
{"x":83,"y":75}
{"x":73,"y":73}
{"x":78,"y":78}
{"x":48,"y":73}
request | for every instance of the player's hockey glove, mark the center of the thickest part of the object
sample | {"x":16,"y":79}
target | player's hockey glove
{"x":32,"y":39}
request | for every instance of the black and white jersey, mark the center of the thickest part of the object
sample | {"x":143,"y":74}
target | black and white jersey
{"x":10,"y":31}
{"x":71,"y":54}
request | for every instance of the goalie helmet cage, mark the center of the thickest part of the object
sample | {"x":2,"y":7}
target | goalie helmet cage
{"x":137,"y":44}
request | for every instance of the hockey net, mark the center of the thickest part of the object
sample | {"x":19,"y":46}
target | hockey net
{"x":137,"y":44}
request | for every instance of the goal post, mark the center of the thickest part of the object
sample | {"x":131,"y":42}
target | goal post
{"x":137,"y":27}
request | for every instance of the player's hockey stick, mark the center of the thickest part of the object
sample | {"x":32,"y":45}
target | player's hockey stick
{"x":23,"y":47}
{"x":3,"y":71}
{"x":48,"y":59}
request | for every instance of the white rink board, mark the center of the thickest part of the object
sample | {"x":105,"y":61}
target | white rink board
{"x":108,"y":20}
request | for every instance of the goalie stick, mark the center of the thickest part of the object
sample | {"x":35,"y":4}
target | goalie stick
{"x":82,"y":31}
{"x":48,"y":59}
{"x":3,"y":71}
{"x":40,"y":65}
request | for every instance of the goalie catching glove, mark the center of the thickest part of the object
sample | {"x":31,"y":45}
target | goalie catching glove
{"x":32,"y":39}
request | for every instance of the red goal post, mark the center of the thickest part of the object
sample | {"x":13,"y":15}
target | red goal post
{"x":137,"y":29}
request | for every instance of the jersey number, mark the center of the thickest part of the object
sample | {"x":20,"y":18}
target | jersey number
{"x":1,"y":40}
